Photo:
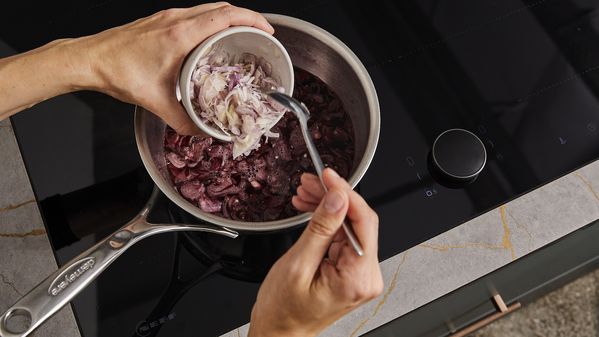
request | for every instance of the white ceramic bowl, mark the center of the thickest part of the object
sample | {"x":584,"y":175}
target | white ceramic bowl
{"x":235,"y":41}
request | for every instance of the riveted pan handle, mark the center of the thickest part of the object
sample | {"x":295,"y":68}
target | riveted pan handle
{"x":67,"y":282}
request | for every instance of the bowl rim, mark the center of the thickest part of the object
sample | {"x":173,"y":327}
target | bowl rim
{"x":184,"y":80}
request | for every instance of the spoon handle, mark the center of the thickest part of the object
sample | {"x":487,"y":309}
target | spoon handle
{"x":319,"y":167}
{"x":302,"y":114}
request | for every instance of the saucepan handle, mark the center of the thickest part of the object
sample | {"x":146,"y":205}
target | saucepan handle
{"x":63,"y":285}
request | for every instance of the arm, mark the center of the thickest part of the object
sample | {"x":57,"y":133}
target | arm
{"x":137,"y":63}
{"x":320,"y":276}
{"x":32,"y":77}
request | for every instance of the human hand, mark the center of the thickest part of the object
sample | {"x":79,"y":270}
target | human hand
{"x":320,"y":278}
{"x":139,"y":62}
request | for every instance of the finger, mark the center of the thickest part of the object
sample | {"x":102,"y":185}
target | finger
{"x":340,"y":236}
{"x":365,"y":223}
{"x":359,"y":279}
{"x":339,"y":240}
{"x":348,"y":263}
{"x":332,"y":178}
{"x":318,"y":235}
{"x":366,"y":272}
{"x":305,"y":195}
{"x":310,"y":176}
{"x":364,"y":220}
{"x":223,"y":17}
{"x":312,"y":184}
{"x":303,"y":206}
{"x":349,"y":289}
{"x":334,"y":250}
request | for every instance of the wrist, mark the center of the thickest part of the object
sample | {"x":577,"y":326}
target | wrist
{"x":56,"y":68}
{"x":73,"y":58}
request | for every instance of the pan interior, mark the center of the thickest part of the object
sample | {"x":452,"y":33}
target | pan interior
{"x":310,"y":49}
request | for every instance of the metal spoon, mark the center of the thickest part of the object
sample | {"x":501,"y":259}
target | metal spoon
{"x":302,"y":114}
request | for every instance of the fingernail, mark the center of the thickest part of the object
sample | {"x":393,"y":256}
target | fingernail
{"x":333,"y":173}
{"x":333,"y":202}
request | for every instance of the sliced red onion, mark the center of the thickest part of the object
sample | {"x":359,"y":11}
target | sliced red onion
{"x":174,"y":159}
{"x":192,"y":190}
{"x":210,"y":205}
{"x":229,"y":95}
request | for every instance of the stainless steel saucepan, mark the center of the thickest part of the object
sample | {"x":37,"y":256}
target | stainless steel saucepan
{"x":312,"y":49}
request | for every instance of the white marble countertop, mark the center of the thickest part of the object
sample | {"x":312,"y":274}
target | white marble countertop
{"x":467,"y":252}
{"x":412,"y":278}
{"x":27,"y":256}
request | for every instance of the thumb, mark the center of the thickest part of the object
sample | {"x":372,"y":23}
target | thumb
{"x":318,"y":235}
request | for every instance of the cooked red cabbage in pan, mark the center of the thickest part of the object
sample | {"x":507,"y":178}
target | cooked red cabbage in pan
{"x":259,"y":186}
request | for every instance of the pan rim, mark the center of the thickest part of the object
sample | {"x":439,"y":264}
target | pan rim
{"x":373,"y":136}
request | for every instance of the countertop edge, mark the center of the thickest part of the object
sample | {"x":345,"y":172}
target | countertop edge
{"x":24,"y":243}
{"x":474,"y":249}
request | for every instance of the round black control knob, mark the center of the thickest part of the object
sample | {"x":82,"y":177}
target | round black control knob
{"x":457,"y":157}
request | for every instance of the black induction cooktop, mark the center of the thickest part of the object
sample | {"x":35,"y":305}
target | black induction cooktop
{"x":520,"y":76}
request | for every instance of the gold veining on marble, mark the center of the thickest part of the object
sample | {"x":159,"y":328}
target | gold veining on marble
{"x":444,"y":248}
{"x":506,"y":240}
{"x":379,"y":305}
{"x":506,"y":244}
{"x":588,"y":185}
{"x":392,"y":285}
{"x":33,"y":232}
{"x":359,"y":327}
{"x":522,"y":227}
{"x":15,"y":206}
